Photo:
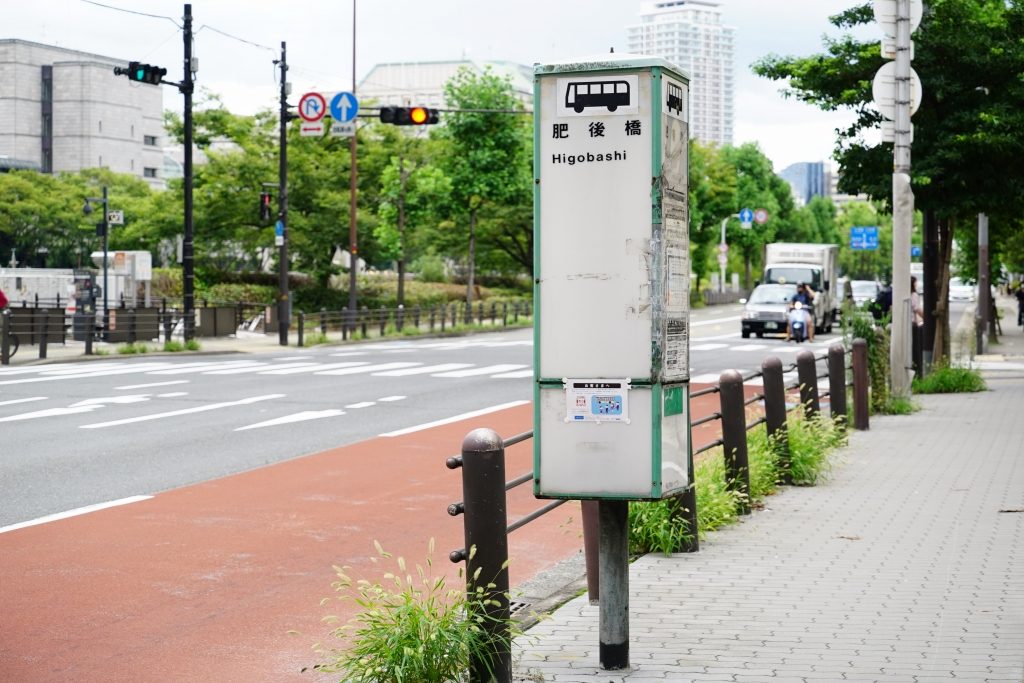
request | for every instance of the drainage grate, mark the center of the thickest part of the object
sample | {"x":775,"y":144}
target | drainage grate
{"x":515,"y":607}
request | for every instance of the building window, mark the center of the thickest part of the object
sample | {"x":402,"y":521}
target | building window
{"x":149,"y":140}
{"x":148,"y":172}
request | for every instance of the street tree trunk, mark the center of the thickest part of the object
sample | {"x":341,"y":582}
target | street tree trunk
{"x":470,"y":279}
{"x":941,"y":350}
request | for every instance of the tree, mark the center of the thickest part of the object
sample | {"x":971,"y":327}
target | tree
{"x":969,"y":56}
{"x":487,"y":155}
{"x":712,"y":192}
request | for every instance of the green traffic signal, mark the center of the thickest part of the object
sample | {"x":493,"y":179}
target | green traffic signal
{"x":142,"y":73}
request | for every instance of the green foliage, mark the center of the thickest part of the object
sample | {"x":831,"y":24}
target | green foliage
{"x":811,"y":440}
{"x":949,"y":380}
{"x":763,"y":459}
{"x":173,"y":346}
{"x":898,"y":406}
{"x":716,"y":504}
{"x":136,"y":348}
{"x":411,"y":628}
{"x":192,"y":345}
{"x":657,"y":526}
{"x":430,"y":268}
{"x":315,"y":339}
{"x":861,"y":324}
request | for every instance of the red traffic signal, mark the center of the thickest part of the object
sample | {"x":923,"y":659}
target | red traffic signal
{"x":265,"y":206}
{"x":408,"y":116}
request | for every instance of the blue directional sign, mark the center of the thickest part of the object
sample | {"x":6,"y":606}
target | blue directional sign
{"x":746,"y":215}
{"x":344,"y":107}
{"x":279,"y":229}
{"x":915,"y":251}
{"x":864,"y":237}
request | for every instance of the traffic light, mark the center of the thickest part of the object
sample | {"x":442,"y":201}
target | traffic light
{"x":408,"y":116}
{"x":142,"y":73}
{"x":264,"y":206}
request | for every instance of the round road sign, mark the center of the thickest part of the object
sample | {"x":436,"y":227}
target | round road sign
{"x":761,"y":216}
{"x":312,"y":107}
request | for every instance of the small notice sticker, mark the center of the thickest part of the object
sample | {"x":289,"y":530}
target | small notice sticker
{"x":596,"y":400}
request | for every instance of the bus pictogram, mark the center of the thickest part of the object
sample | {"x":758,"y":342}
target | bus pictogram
{"x":675,"y":98}
{"x":610,"y":94}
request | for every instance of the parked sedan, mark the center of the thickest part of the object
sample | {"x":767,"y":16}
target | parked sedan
{"x":864,"y":291}
{"x":765,"y":311}
{"x":959,"y":290}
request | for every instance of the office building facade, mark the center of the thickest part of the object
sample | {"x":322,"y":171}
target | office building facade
{"x":690,"y":34}
{"x":65,"y":110}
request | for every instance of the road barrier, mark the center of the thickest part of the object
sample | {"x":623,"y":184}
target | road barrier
{"x":484,"y":504}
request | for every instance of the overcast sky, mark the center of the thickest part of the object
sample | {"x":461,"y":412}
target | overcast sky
{"x":319,"y":37}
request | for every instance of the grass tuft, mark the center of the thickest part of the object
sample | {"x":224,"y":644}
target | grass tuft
{"x":949,"y":380}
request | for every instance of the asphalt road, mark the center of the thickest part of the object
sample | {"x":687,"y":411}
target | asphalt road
{"x":80,"y":434}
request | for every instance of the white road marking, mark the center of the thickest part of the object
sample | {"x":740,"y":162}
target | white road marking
{"x":288,"y":358}
{"x":292,"y":368}
{"x":73,"y":513}
{"x":22,"y":400}
{"x":184,"y":411}
{"x":295,"y":417}
{"x":256,"y":365}
{"x":50,"y":412}
{"x":204,"y":367}
{"x":345,"y":354}
{"x":486,"y":370}
{"x":314,"y":367}
{"x":367,"y":368}
{"x":101,"y":373}
{"x":423,"y":370}
{"x":361,"y":404}
{"x":708,"y":378}
{"x":153,"y":384}
{"x":388,"y":399}
{"x":715,"y":321}
{"x":456,"y":418}
{"x":514,"y":375}
{"x":172,"y":394}
{"x":749,"y":347}
{"x":130,"y":398}
{"x":707,"y":347}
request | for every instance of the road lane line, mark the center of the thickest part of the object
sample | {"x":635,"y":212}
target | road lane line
{"x":153,"y":384}
{"x":388,"y":399}
{"x":716,"y":321}
{"x":22,"y":400}
{"x":367,"y":368}
{"x":184,"y":411}
{"x":707,"y":347}
{"x":423,"y":370}
{"x":295,"y":417}
{"x":486,"y":370}
{"x":514,"y":375}
{"x":73,"y":513}
{"x":99,"y":373}
{"x":361,"y":404}
{"x":50,"y":412}
{"x":205,"y":367}
{"x":456,"y":418}
{"x":309,"y":367}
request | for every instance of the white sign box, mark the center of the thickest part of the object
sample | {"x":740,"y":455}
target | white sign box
{"x":612,"y":288}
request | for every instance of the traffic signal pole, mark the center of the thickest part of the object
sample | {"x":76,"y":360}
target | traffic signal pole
{"x":283,"y":312}
{"x":353,"y":251}
{"x":188,"y":273}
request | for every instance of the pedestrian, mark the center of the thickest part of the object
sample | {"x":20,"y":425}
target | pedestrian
{"x":1020,"y":302}
{"x":882,"y":304}
{"x":915,"y":302}
{"x":3,"y":300}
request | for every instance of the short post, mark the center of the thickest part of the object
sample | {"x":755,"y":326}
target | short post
{"x":480,"y":312}
{"x":444,"y":318}
{"x":515,"y":312}
{"x":860,"y":384}
{"x":613,"y":648}
{"x":302,"y":329}
{"x":5,"y":337}
{"x":382,"y":312}
{"x":807,"y":374}
{"x":44,"y":337}
{"x":455,"y":313}
{"x":400,"y":317}
{"x":345,"y":322}
{"x":485,"y":523}
{"x":323,"y":322}
{"x":131,"y":325}
{"x":416,"y":313}
{"x":168,"y":326}
{"x":837,"y":383}
{"x":494,"y":312}
{"x":365,"y":314}
{"x":90,"y":329}
{"x":775,"y":412}
{"x":734,"y":437}
{"x":504,"y":314}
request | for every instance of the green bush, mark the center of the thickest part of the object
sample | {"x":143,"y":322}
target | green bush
{"x":763,"y":459}
{"x":716,"y":504}
{"x":430,"y":268}
{"x":949,"y":380}
{"x":657,"y":526}
{"x":137,"y":347}
{"x":173,"y":346}
{"x":192,"y":345}
{"x":314,"y":339}
{"x":810,"y":441}
{"x":410,"y":630}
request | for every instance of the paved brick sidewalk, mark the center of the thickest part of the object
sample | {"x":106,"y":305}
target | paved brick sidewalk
{"x":907,"y":565}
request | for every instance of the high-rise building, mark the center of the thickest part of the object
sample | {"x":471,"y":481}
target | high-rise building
{"x":64,"y":110}
{"x":808,"y":179}
{"x":690,"y":34}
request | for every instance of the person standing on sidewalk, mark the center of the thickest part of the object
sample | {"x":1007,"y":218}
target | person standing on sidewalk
{"x":1020,"y":302}
{"x":915,"y":302}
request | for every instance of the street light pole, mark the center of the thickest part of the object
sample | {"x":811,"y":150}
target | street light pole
{"x":723,"y":254}
{"x":283,"y":309}
{"x":353,"y":250}
{"x":187,"y":248}
{"x":106,"y":293}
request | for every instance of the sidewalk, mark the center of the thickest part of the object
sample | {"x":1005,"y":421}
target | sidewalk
{"x":906,"y":565}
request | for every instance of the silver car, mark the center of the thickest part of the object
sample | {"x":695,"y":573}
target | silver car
{"x":766,"y":309}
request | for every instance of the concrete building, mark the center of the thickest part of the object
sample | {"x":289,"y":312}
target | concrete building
{"x":65,"y":110}
{"x":690,"y":34}
{"x":422,"y":83}
{"x":808,"y":179}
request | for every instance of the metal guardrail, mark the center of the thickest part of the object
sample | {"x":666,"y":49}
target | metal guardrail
{"x":482,"y":461}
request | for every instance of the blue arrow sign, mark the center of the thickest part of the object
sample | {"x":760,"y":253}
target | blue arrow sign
{"x":344,"y":107}
{"x":915,"y":251}
{"x":864,"y":237}
{"x":746,"y":216}
{"x":279,"y":229}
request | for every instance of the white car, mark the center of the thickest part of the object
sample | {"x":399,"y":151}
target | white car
{"x":960,"y":291}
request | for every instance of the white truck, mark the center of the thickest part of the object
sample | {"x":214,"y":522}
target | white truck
{"x":815,"y":265}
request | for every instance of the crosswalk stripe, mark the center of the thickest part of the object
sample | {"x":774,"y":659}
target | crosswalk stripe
{"x":315,"y":367}
{"x":205,"y":367}
{"x":514,"y":375}
{"x":707,"y":347}
{"x":239,"y":370}
{"x":486,"y":370}
{"x":366,"y":368}
{"x":423,"y":370}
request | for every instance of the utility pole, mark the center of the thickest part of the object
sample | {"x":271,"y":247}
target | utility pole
{"x":902,"y":211}
{"x":283,"y":312}
{"x":984,"y":292}
{"x":353,"y":249}
{"x":188,"y":272}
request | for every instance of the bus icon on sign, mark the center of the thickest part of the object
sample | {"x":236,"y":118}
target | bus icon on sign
{"x":675,"y":98}
{"x":586,"y":94}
